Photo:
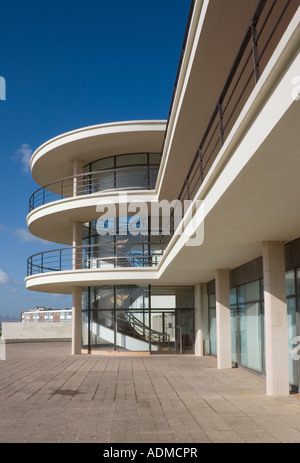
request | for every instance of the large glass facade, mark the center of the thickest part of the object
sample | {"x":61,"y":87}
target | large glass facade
{"x":247,"y":325}
{"x":138,"y":318}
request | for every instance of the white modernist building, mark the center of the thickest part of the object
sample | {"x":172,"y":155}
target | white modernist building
{"x":224,"y":279}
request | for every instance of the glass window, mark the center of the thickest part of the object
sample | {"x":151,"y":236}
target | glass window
{"x":292,"y":345}
{"x":131,"y":159}
{"x":213,"y":331}
{"x":102,"y":333}
{"x":249,"y":292}
{"x":298,"y":281}
{"x":234,"y":334}
{"x":132,"y":330}
{"x":102,"y":297}
{"x":132,"y":297}
{"x":101,"y":164}
{"x":250,"y":336}
{"x":182,"y":296}
{"x":154,"y":158}
{"x":290,"y":283}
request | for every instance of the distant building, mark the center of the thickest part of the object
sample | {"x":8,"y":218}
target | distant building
{"x":41,"y":314}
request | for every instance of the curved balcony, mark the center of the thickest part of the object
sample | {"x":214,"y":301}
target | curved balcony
{"x":102,"y":257}
{"x":138,"y":177}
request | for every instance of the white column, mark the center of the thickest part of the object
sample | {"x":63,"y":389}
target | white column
{"x":76,"y":320}
{"x":198,"y":320}
{"x":77,"y":243}
{"x":275,"y":319}
{"x":77,"y":264}
{"x":223,"y":319}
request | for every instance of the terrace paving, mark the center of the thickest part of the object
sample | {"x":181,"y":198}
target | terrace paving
{"x":48,"y":395}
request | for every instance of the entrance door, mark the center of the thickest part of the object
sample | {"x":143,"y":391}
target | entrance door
{"x":172,"y":331}
{"x":163,"y":331}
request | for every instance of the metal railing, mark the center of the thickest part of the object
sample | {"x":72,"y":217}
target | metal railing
{"x":121,"y":178}
{"x":97,"y":256}
{"x":267,"y":26}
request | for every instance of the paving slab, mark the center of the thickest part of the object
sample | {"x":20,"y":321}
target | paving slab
{"x":48,"y":395}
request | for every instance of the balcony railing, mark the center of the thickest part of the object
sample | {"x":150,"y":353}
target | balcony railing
{"x":266,"y":28}
{"x":138,"y":177}
{"x":104,"y":257}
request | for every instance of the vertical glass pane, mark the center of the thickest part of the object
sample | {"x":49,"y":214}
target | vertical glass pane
{"x":102,"y":332}
{"x":152,"y":177}
{"x":85,"y":329}
{"x":132,"y":297}
{"x":292,"y":342}
{"x":132,"y":178}
{"x":213,"y":331}
{"x":163,"y":331}
{"x":233,"y":296}
{"x":249,"y":292}
{"x":101,"y":164}
{"x":298,"y":281}
{"x":154,"y":158}
{"x":290,"y":282}
{"x":185,"y":326}
{"x":179,"y":297}
{"x":250,"y":336}
{"x":131,"y":159}
{"x":102,"y":297}
{"x":212,"y":300}
{"x":234,"y":328}
{"x":102,"y":181}
{"x":132,"y":330}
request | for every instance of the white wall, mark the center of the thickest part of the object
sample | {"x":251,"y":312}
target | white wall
{"x":27,"y":331}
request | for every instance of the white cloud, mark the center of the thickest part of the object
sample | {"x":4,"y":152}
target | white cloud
{"x":4,"y":278}
{"x":23,"y":156}
{"x":2,"y":227}
{"x":25,"y":236}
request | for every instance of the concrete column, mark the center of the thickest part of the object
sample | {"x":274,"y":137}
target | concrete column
{"x":276,"y":333}
{"x":198,"y":320}
{"x":76,"y":320}
{"x":223,"y":321}
{"x":77,"y":243}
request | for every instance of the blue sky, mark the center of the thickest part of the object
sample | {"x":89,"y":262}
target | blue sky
{"x":69,"y":64}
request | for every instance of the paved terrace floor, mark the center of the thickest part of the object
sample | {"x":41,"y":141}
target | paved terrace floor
{"x":50,"y":396}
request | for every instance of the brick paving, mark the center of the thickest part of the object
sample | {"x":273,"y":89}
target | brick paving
{"x":49,"y":396}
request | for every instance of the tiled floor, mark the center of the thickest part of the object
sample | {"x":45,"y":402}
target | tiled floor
{"x":48,"y":395}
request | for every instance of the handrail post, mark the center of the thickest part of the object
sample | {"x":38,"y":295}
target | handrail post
{"x":201,"y":164}
{"x":255,"y":52}
{"x":187,"y":184}
{"x":221,"y":127}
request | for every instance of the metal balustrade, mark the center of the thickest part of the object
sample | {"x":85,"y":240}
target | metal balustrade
{"x":97,"y":256}
{"x":266,"y":28}
{"x":137,"y":177}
